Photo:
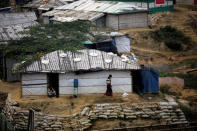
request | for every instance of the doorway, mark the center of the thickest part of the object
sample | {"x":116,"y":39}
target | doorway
{"x":174,"y":2}
{"x":53,"y":81}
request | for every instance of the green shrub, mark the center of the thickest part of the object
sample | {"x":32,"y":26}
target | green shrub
{"x":173,"y":38}
{"x":165,"y":89}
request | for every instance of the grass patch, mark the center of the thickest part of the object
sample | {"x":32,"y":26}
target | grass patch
{"x":191,"y":63}
{"x":173,"y":38}
{"x":190,"y":80}
{"x":165,"y":89}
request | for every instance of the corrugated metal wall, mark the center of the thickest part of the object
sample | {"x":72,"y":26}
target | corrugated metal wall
{"x":112,"y":21}
{"x":125,"y":21}
{"x":34,"y":84}
{"x":95,"y":82}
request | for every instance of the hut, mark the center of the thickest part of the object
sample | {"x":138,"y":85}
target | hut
{"x":42,"y":6}
{"x":116,"y":15}
{"x":115,"y":42}
{"x":153,"y":6}
{"x":10,"y":26}
{"x":87,"y":68}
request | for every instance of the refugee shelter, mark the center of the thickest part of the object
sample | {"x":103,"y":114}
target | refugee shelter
{"x":116,"y":15}
{"x":86,"y":70}
{"x":115,"y":42}
{"x":153,"y":6}
{"x":41,"y":6}
{"x":10,"y":26}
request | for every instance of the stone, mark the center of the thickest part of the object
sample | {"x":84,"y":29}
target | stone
{"x":173,"y":103}
{"x":139,"y":113}
{"x":182,"y":116}
{"x":169,"y":98}
{"x":51,"y":118}
{"x":131,"y":117}
{"x":174,"y":119}
{"x":90,"y":113}
{"x":127,"y":111}
{"x":163,"y":103}
{"x":183,"y":119}
{"x":165,"y":110}
{"x":88,"y":124}
{"x":85,"y":111}
{"x":96,"y":111}
{"x":113,"y":116}
{"x":162,"y":114}
{"x":84,"y":122}
{"x":56,"y":126}
{"x":146,"y":109}
{"x":106,"y":113}
{"x":121,"y":116}
{"x":150,"y":113}
{"x":103,"y":116}
{"x":110,"y":111}
{"x":93,"y":118}
{"x":145,"y":116}
{"x":58,"y":123}
{"x":56,"y":129}
{"x":170,"y":107}
{"x":158,"y":112}
{"x":165,"y":117}
{"x":48,"y":129}
{"x":178,"y":110}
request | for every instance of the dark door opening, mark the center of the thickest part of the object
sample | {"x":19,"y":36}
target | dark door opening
{"x":174,"y":2}
{"x":137,"y":82}
{"x":53,"y":82}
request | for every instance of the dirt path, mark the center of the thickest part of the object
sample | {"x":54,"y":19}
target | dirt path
{"x":152,"y":51}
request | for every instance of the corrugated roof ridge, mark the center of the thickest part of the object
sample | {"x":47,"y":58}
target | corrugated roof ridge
{"x":85,"y":62}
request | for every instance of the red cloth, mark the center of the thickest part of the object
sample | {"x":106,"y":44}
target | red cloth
{"x":159,"y":2}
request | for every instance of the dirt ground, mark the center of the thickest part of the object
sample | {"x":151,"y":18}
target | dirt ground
{"x":108,"y":124}
{"x":62,"y":106}
{"x":184,"y":93}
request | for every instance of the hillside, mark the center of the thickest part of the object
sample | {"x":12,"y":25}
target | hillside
{"x":152,"y":52}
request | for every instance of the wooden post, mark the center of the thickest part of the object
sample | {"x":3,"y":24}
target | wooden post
{"x":31,"y":122}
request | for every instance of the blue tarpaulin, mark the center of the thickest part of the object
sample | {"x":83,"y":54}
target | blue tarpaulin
{"x":150,"y":80}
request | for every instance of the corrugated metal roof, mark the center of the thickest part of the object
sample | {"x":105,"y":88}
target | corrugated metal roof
{"x":43,"y":5}
{"x":13,"y":32}
{"x":71,"y":15}
{"x":51,"y":13}
{"x":13,"y":23}
{"x":10,"y":19}
{"x":59,"y":61}
{"x":103,"y":6}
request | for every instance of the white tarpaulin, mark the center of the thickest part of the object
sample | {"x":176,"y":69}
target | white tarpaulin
{"x":123,"y":44}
